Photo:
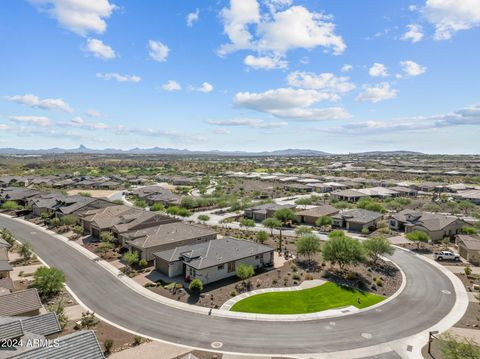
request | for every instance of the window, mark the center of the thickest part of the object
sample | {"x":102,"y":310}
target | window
{"x":231,"y":267}
{"x":220,"y":267}
{"x":257,"y":256}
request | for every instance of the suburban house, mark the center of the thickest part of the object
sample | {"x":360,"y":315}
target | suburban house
{"x":166,"y":236}
{"x":5,"y":267}
{"x":349,"y":195}
{"x":120,"y":219}
{"x":469,"y":248}
{"x":157,"y":194}
{"x":298,"y":187}
{"x":472,"y":195}
{"x":76,"y":205}
{"x":214,"y":260}
{"x":437,"y":226}
{"x":82,"y":344}
{"x":357,"y":220}
{"x":405,"y":191}
{"x":23,"y":328}
{"x":310,"y":216}
{"x":25,"y":303}
{"x":260,"y":212}
{"x":21,"y":195}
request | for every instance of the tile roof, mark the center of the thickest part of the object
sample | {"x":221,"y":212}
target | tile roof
{"x":45,"y":324}
{"x":19,"y":302}
{"x":470,"y":242}
{"x":215,"y":252}
{"x":359,"y":215}
{"x":325,"y":210}
{"x":80,"y":345}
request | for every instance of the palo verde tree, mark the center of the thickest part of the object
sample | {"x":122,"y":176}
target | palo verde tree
{"x":343,"y":250}
{"x":48,"y":281}
{"x":308,"y":245}
{"x":285,"y":216}
{"x":376,"y":247}
{"x":418,"y":237}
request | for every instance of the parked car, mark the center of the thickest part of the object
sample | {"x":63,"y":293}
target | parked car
{"x":446,"y":256}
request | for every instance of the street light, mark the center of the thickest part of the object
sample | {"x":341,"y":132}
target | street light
{"x":431,"y":336}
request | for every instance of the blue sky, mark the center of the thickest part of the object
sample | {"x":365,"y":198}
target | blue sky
{"x":241,"y":74}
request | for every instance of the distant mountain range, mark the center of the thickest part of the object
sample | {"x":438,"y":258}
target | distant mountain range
{"x":185,"y":152}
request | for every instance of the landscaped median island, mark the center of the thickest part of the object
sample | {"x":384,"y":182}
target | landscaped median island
{"x":323,"y":297}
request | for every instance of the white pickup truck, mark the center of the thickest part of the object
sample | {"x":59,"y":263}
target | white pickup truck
{"x":446,"y":256}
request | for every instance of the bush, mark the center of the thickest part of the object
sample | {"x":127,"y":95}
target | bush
{"x":137,"y":340}
{"x":469,"y":230}
{"x":233,"y":293}
{"x":157,"y":207}
{"x":85,"y":194}
{"x":140,"y":203}
{"x":261,"y":236}
{"x":48,"y":281}
{"x":78,"y":229}
{"x":244,"y":271}
{"x":55,"y":222}
{"x":69,"y":220}
{"x":143,"y":263}
{"x":108,"y":345}
{"x":467,"y":270}
{"x":10,"y":205}
{"x":196,"y":286}
{"x":296,"y":276}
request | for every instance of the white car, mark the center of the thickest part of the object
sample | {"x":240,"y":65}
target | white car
{"x":446,"y":256}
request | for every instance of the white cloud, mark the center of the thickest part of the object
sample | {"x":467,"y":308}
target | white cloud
{"x":98,"y":49}
{"x":377,"y":93}
{"x":378,"y":70}
{"x":411,"y":68}
{"x":4,"y":127}
{"x":324,"y":81}
{"x":158,"y":51}
{"x":469,"y":116}
{"x":247,"y":122}
{"x":192,"y":18}
{"x":450,"y":16}
{"x":34,"y":101}
{"x":305,"y":29}
{"x":346,"y":68}
{"x":34,"y":120}
{"x":93,"y":113}
{"x":171,"y":86}
{"x":77,"y":120}
{"x":275,"y":5}
{"x":291,"y":103}
{"x":205,"y":88}
{"x":78,"y":16}
{"x":265,"y":62}
{"x":221,"y":131}
{"x":119,"y":77}
{"x":414,"y":33}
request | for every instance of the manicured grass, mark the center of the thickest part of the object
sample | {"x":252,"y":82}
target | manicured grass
{"x":322,"y":297}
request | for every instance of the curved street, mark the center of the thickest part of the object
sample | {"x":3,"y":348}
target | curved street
{"x":428,"y":297}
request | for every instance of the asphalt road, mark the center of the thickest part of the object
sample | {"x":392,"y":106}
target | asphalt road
{"x":421,"y":305}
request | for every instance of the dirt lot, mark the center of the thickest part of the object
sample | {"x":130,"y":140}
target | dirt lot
{"x":97,"y":193}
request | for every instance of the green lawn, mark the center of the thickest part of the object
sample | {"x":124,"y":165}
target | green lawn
{"x":322,"y":297}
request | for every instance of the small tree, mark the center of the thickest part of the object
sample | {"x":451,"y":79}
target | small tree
{"x":131,"y":258}
{"x":104,"y":247}
{"x":304,"y":201}
{"x":418,"y":237}
{"x":271,"y":223}
{"x":48,"y":281}
{"x":195,"y":286}
{"x":203,"y":218}
{"x":244,"y":272}
{"x":7,"y":236}
{"x":376,"y":247}
{"x":26,"y":251}
{"x":469,"y":230}
{"x":301,"y":230}
{"x":157,"y":207}
{"x":261,"y":236}
{"x":343,"y":250}
{"x":308,"y":245}
{"x":285,"y":215}
{"x":9,"y":205}
{"x":59,"y":310}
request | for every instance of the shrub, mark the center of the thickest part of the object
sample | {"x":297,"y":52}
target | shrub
{"x":244,"y":271}
{"x":48,"y":281}
{"x":55,"y":222}
{"x":196,"y":286}
{"x":467,"y":270}
{"x":88,"y":320}
{"x":108,"y":345}
{"x":69,"y":220}
{"x":261,"y":236}
{"x":140,"y":203}
{"x":233,"y":293}
{"x":296,"y":276}
{"x":85,"y":194}
{"x":137,"y":340}
{"x":78,"y":229}
{"x":469,"y":230}
{"x":10,"y":205}
{"x":143,"y":263}
{"x":203,"y":218}
{"x":157,"y":207}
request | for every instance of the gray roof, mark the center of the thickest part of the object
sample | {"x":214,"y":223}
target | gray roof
{"x":359,"y":215}
{"x":167,"y":233}
{"x":14,"y":327}
{"x":19,"y":302}
{"x":215,"y":252}
{"x":431,"y":221}
{"x":470,"y":242}
{"x":349,"y":193}
{"x":271,"y":207}
{"x":80,"y":345}
{"x":325,"y":210}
